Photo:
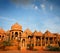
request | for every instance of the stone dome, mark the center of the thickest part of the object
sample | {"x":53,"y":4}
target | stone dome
{"x":16,"y":26}
{"x":1,"y":31}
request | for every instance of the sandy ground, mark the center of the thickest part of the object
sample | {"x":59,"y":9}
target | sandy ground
{"x":16,"y":51}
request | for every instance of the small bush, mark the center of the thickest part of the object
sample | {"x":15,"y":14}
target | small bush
{"x":52,"y":48}
{"x":19,"y":48}
{"x":5,"y":43}
{"x":30,"y":46}
{"x":35,"y":49}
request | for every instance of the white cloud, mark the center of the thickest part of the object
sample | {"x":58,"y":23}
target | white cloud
{"x":35,"y":7}
{"x":42,"y":6}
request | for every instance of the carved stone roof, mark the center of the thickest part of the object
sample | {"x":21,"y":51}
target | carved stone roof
{"x":24,"y":34}
{"x":37,"y":33}
{"x":28,"y":31}
{"x":48,"y":34}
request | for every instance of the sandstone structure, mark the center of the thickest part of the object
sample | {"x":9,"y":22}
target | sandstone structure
{"x":23,"y":38}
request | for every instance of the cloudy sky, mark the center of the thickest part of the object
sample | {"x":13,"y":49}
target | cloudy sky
{"x":40,"y":15}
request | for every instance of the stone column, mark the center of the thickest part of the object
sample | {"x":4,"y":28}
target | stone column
{"x":53,"y":40}
{"x":45,"y":41}
{"x":48,"y":41}
{"x":10,"y":35}
{"x":34,"y":41}
{"x":21,"y":43}
{"x":18,"y":33}
{"x":25,"y":42}
{"x":41,"y":40}
{"x":14,"y":34}
{"x":57,"y":40}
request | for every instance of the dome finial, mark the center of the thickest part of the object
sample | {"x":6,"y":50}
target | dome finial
{"x":16,"y":23}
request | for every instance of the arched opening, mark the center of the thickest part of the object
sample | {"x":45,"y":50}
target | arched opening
{"x":12,"y":36}
{"x":23,"y":42}
{"x":16,"y":34}
{"x":0,"y":36}
{"x":37,"y":41}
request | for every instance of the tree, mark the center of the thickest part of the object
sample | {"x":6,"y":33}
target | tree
{"x":59,"y":43}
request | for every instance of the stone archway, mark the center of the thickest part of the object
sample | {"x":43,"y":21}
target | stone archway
{"x":0,"y":37}
{"x":23,"y":43}
{"x":38,"y":41}
{"x":16,"y":34}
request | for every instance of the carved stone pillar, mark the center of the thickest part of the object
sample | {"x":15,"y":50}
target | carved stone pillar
{"x":34,"y":41}
{"x":25,"y":42}
{"x":41,"y":41}
{"x":53,"y":41}
{"x":14,"y":34}
{"x":48,"y":41}
{"x":57,"y":40}
{"x":18,"y":34}
{"x":45,"y":41}
{"x":11,"y":36}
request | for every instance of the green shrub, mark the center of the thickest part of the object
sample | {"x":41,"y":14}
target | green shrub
{"x":30,"y":46}
{"x":19,"y":48}
{"x":35,"y":49}
{"x":52,"y":48}
{"x":6,"y":43}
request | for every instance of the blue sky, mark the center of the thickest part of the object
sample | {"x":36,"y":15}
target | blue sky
{"x":40,"y":15}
